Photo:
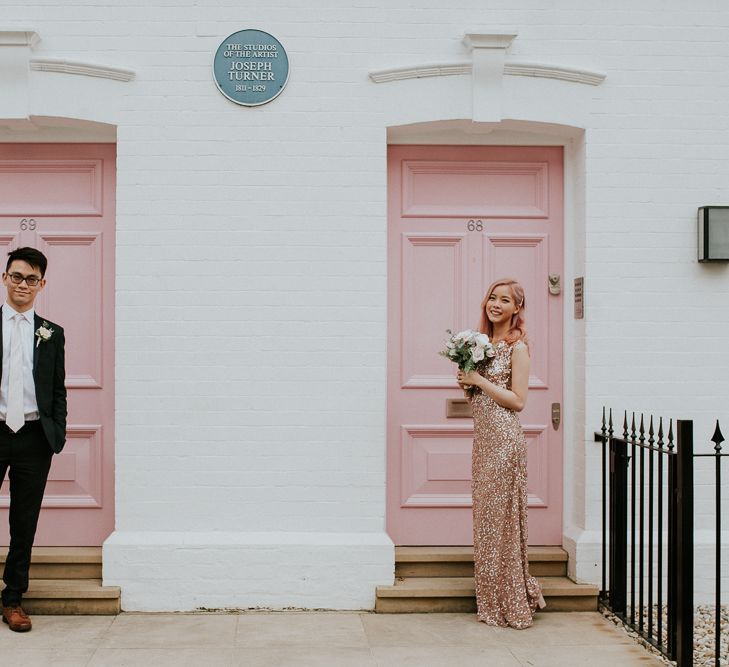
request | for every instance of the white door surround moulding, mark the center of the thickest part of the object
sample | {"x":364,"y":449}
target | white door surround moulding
{"x":572,"y":139}
{"x":28,"y":92}
{"x":488,"y":97}
{"x":63,"y":66}
{"x":511,"y":68}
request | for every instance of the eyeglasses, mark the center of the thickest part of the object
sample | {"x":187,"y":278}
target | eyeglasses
{"x":18,"y":278}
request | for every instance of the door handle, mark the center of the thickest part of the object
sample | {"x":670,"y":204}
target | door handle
{"x":556,"y":415}
{"x":555,"y":283}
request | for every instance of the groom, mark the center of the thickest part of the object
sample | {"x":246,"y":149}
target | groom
{"x":32,"y":416}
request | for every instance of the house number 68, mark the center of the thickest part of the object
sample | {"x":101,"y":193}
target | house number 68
{"x":27,"y":223}
{"x":475,"y":226}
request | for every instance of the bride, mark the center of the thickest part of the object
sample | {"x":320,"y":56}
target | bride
{"x":506,"y":594}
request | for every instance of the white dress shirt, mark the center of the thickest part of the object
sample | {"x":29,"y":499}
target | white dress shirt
{"x":30,"y":405}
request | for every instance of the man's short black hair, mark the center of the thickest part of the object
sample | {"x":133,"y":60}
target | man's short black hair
{"x":30,"y":255}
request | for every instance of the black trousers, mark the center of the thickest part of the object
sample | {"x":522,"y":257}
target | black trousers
{"x":26,"y":457}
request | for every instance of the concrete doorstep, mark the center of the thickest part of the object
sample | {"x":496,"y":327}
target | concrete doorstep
{"x":319,"y":639}
{"x":67,"y":580}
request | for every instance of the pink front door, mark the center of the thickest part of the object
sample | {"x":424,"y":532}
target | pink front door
{"x":460,"y":217}
{"x":60,"y":198}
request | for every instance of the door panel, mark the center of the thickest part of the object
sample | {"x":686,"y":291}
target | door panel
{"x":474,"y":188}
{"x":433,"y":280}
{"x":460,"y":217}
{"x":48,"y":187}
{"x":60,"y":198}
{"x":436,"y":466}
{"x":82,"y":317}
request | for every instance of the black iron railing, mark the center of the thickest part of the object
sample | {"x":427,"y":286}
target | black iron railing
{"x":648,"y":530}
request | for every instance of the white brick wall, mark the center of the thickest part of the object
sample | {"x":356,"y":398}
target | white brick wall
{"x":251,"y":273}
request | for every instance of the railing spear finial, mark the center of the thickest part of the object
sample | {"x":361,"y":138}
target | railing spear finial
{"x":660,"y":432}
{"x":651,"y":432}
{"x":632,"y":428}
{"x":641,"y":430}
{"x":717,"y":438}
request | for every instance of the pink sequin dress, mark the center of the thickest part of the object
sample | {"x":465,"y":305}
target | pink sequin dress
{"x":506,"y":594}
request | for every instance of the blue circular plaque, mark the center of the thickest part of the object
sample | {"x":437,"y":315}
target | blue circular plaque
{"x":251,"y":67}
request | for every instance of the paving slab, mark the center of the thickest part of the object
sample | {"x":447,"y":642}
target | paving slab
{"x":442,"y":656}
{"x":44,"y":657}
{"x":319,"y":639}
{"x":311,"y":656}
{"x":423,"y":630}
{"x":57,"y":632}
{"x":565,"y":629}
{"x":161,"y":657}
{"x":579,"y":656}
{"x":170,"y":631}
{"x":330,"y":630}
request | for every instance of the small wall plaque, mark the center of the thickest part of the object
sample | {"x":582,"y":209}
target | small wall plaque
{"x":579,"y":298}
{"x":251,"y":67}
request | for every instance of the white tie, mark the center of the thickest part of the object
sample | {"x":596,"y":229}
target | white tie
{"x":15,"y":417}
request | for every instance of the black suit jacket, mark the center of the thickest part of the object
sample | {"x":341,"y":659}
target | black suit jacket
{"x":49,"y":374}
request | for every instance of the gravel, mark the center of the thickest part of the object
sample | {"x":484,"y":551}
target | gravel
{"x":704,"y":637}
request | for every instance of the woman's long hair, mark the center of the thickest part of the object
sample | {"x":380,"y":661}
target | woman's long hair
{"x":517,"y":327}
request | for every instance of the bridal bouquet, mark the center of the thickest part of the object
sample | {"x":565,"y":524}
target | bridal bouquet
{"x":467,"y":348}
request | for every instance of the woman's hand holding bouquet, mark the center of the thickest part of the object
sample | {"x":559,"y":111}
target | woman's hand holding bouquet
{"x":466,"y":349}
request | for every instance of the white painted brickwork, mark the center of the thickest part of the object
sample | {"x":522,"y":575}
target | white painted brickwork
{"x":252,"y":277}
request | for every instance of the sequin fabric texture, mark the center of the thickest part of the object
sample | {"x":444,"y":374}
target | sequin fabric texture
{"x":505,"y":592}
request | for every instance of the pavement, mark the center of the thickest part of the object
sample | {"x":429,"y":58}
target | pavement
{"x":320,"y":639}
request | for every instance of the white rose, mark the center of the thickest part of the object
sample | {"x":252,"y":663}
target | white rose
{"x":477,"y":353}
{"x":481,"y":339}
{"x":462,"y":336}
{"x":44,"y":333}
{"x":490,"y":352}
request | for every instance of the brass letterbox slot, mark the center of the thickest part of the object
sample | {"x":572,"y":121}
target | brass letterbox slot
{"x":458,"y":407}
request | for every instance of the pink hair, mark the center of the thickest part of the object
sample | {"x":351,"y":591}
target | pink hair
{"x":517,"y":328}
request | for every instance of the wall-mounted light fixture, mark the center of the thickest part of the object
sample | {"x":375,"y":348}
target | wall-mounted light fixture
{"x":714,"y":234}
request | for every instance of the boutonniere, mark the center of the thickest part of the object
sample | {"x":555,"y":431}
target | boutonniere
{"x":43,"y":333}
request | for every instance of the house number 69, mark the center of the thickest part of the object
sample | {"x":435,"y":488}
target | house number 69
{"x":27,"y":223}
{"x":475,"y":226}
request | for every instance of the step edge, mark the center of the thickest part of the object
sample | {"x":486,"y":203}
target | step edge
{"x":401,"y":593}
{"x":71,"y":588}
{"x":464,"y":586}
{"x":461,"y":554}
{"x":543,"y":579}
{"x":61,"y":555}
{"x":72,"y":595}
